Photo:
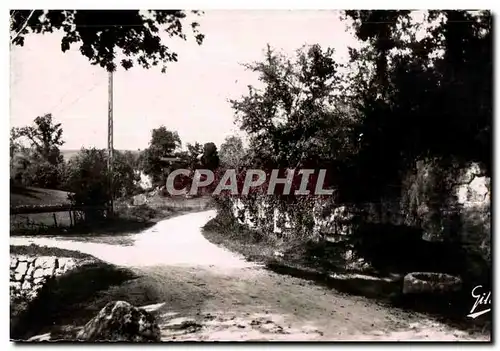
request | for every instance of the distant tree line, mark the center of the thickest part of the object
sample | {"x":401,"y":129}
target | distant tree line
{"x":36,"y":161}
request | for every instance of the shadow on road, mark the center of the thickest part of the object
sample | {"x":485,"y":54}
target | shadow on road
{"x":450,"y":308}
{"x":66,"y":300}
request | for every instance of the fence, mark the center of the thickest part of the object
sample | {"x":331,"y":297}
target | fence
{"x":33,"y":217}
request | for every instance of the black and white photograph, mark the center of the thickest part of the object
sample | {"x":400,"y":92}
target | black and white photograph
{"x":250,"y":175}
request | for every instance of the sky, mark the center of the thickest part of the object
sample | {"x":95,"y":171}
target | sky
{"x":191,"y":98}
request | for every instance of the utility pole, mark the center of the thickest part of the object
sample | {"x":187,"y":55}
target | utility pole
{"x":110,"y":142}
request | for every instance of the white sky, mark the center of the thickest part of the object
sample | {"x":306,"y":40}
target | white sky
{"x":190,"y":98}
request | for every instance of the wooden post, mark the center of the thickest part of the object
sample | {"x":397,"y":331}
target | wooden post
{"x":55,"y":219}
{"x":110,"y":142}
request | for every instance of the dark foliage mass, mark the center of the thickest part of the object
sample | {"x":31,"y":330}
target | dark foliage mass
{"x":405,"y":98}
{"x":415,"y":91}
{"x":164,"y":143}
{"x":101,"y":34}
{"x":419,"y":105}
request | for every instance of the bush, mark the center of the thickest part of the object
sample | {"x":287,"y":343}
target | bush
{"x":143,"y":211}
{"x":44,"y":175}
{"x":87,"y":177}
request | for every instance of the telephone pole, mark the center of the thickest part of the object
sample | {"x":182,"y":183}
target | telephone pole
{"x":110,"y":142}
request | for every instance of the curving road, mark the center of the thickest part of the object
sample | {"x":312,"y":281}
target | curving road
{"x":208,"y":293}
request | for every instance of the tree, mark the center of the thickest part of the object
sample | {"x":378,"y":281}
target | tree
{"x":188,"y":159}
{"x":19,"y":165}
{"x":14,"y":142}
{"x":210,"y":158}
{"x":101,"y":33}
{"x":45,"y":138}
{"x":166,"y":140}
{"x":439,"y":96}
{"x":131,"y":158}
{"x":194,"y":150}
{"x":40,"y":173}
{"x":87,"y":179}
{"x":232,"y":152}
{"x":125,"y":176}
{"x":41,"y":164}
{"x":163,"y":144}
{"x":15,"y":147}
{"x":377,"y":27}
{"x":298,"y":118}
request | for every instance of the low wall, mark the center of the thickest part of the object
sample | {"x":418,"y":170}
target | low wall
{"x":464,"y":210}
{"x":282,"y":220}
{"x":29,"y":273}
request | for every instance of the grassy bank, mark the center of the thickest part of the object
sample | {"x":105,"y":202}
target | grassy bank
{"x":23,"y":196}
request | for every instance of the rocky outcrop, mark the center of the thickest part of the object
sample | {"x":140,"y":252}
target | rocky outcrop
{"x":120,"y":321}
{"x":452,"y":203}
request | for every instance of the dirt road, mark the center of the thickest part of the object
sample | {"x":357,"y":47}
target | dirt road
{"x":207,"y":293}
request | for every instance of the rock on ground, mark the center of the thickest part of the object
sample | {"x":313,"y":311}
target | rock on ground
{"x":120,"y":321}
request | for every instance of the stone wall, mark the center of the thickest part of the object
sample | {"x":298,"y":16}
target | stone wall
{"x":265,"y":215}
{"x":29,"y":273}
{"x":463,"y":211}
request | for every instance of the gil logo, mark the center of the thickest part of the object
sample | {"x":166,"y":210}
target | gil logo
{"x":483,"y":299}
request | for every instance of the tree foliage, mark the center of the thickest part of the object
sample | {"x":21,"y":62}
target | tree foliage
{"x":426,"y":98}
{"x":210,"y":157}
{"x":45,"y":137}
{"x":39,"y":161}
{"x":42,"y":174}
{"x":232,"y":152}
{"x":189,"y":157}
{"x":101,"y":34}
{"x":125,"y":174}
{"x":14,"y":142}
{"x":194,"y":150}
{"x":415,"y":90}
{"x":163,"y":144}
{"x":297,"y":119}
{"x":87,"y":177}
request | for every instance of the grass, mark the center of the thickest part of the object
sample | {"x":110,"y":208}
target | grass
{"x":115,"y":226}
{"x":70,"y":153}
{"x":35,"y":250}
{"x":23,"y":196}
{"x":239,"y":239}
{"x":29,"y":196}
